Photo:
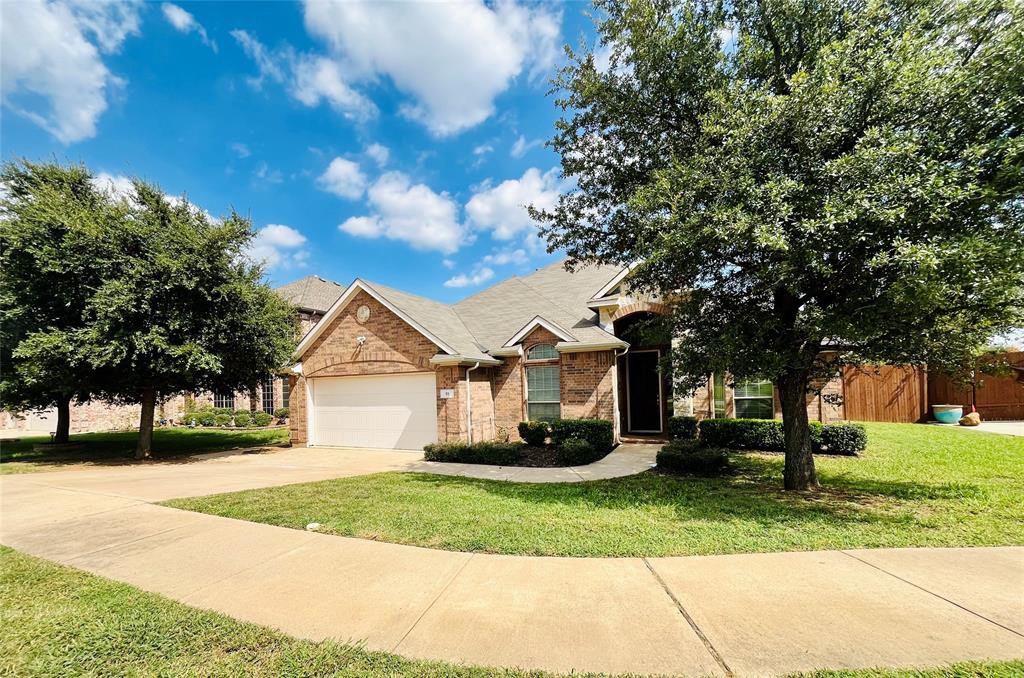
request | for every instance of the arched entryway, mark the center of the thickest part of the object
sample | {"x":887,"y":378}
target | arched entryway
{"x":645,"y":385}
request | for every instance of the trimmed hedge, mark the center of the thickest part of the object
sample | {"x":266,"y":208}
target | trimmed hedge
{"x":281,"y":413}
{"x":768,"y":435}
{"x":597,"y":432}
{"x":488,"y":452}
{"x":261,"y":418}
{"x":243,"y":418}
{"x":844,"y":438}
{"x":577,"y":452}
{"x":534,"y":432}
{"x":743,"y":434}
{"x":683,"y":428}
{"x":688,"y":456}
{"x":222,"y":420}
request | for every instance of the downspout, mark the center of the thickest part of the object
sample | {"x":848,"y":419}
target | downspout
{"x":469,"y":405}
{"x":615,"y":374}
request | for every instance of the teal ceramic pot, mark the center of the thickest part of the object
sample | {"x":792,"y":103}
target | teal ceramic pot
{"x":947,"y":414}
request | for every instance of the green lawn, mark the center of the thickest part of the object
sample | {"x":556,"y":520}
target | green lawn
{"x":19,"y":457}
{"x":57,"y":621}
{"x":915,"y":486}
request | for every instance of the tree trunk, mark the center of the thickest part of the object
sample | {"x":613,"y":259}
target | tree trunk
{"x":63,"y":419}
{"x":144,"y":447}
{"x":799,"y":473}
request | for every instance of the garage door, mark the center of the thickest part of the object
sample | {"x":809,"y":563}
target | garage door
{"x":393,"y":412}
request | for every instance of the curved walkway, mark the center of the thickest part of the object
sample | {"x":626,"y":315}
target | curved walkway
{"x":756,"y":614}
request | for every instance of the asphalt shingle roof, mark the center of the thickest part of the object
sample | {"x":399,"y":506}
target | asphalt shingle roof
{"x":312,"y":293}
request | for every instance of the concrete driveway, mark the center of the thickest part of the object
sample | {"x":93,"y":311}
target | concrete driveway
{"x":759,"y":614}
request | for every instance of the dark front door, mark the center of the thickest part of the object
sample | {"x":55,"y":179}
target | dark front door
{"x":644,"y":392}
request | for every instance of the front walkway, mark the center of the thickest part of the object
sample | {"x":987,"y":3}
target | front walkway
{"x":754,"y":614}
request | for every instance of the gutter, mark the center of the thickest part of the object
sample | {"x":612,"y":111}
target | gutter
{"x":442,"y":360}
{"x":469,"y":405}
{"x":579,"y":347}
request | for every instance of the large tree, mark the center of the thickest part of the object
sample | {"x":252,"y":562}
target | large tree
{"x":813,"y":183}
{"x":184,"y":309}
{"x":52,"y":226}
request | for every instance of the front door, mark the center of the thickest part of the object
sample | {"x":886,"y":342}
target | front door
{"x":643,"y":391}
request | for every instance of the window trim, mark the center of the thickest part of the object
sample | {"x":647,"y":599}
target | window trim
{"x":530,"y":350}
{"x":222,"y":397}
{"x":531,"y":401}
{"x":770,"y":398}
{"x":268,"y":380}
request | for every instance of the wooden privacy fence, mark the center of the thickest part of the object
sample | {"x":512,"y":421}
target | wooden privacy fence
{"x":999,"y":398}
{"x":885,"y":393}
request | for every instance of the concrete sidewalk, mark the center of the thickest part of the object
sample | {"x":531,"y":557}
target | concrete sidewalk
{"x":759,"y":614}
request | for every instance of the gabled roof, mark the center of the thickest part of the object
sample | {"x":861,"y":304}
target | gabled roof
{"x":495,"y":318}
{"x":311,"y":293}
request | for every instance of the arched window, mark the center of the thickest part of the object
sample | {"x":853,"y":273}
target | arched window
{"x":542,"y":352}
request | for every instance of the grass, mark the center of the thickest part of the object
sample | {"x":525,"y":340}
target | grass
{"x":915,"y":486}
{"x":18,"y":456}
{"x":57,"y":621}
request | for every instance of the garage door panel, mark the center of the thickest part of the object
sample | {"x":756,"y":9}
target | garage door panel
{"x":395,"y":411}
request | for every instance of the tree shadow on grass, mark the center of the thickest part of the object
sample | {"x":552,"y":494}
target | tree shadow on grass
{"x":752,"y":493}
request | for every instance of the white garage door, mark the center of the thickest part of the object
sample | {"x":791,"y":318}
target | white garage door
{"x":393,"y":412}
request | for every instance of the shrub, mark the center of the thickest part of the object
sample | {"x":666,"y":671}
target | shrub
{"x":281,"y":413}
{"x":683,"y":428}
{"x":222,"y":420}
{"x":688,"y":456}
{"x":743,"y":434}
{"x":223,"y":410}
{"x":577,"y":452}
{"x":534,"y":432}
{"x":495,"y":453}
{"x":597,"y":432}
{"x":243,"y":418}
{"x":844,"y":438}
{"x":261,"y":418}
{"x":768,"y":435}
{"x":204,"y":417}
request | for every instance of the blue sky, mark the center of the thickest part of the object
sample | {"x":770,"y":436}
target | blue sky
{"x":391,"y":141}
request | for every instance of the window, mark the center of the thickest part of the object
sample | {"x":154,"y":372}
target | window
{"x":542,"y":352}
{"x":542,"y":393}
{"x":268,"y":394}
{"x":286,"y":392}
{"x":226,"y":400}
{"x":719,"y":394}
{"x":754,"y":399}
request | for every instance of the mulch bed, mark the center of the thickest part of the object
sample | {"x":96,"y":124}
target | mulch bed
{"x":539,"y":457}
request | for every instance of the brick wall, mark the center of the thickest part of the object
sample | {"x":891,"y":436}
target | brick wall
{"x":588,"y":385}
{"x":817,"y":407}
{"x":509,"y":397}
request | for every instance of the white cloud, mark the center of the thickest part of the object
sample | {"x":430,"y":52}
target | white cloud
{"x":278,"y":246}
{"x":241,"y":150}
{"x":379,"y":153}
{"x":452,"y":59}
{"x":117,"y":186}
{"x":266,"y":173}
{"x":267,"y":63}
{"x":477,"y":277}
{"x":120,"y":187}
{"x":504,"y":257}
{"x":501,"y":209}
{"x":363,"y":227}
{"x":343,"y":178}
{"x":309,"y":79}
{"x":47,"y":55}
{"x":319,"y":79}
{"x":482,"y":149}
{"x":521,"y":146}
{"x":448,"y":263}
{"x":411,"y":213}
{"x":184,"y":22}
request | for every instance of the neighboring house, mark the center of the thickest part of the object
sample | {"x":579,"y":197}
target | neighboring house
{"x":311,"y":295}
{"x":389,"y":369}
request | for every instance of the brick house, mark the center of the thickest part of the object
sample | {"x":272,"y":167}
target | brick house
{"x":312,"y":296}
{"x":387,"y":369}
